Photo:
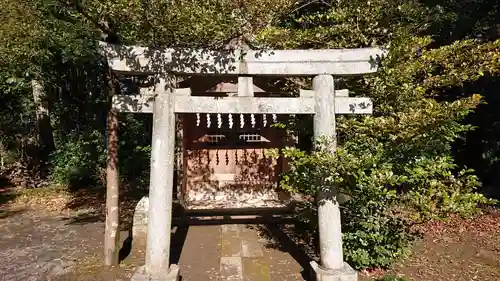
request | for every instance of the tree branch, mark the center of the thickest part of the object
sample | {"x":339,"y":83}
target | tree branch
{"x":107,"y":33}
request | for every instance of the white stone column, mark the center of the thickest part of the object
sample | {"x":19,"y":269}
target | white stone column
{"x":330,"y":234}
{"x":161,"y":183}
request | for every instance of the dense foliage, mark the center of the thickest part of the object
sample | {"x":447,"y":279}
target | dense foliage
{"x":398,"y":164}
{"x":410,"y":160}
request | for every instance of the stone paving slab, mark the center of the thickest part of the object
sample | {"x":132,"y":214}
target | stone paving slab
{"x":226,"y":253}
{"x":200,"y":256}
{"x":256,"y":269}
{"x":231,"y":269}
{"x":282,"y":266}
{"x":251,"y":247}
{"x":230,"y":241}
{"x":234,"y":253}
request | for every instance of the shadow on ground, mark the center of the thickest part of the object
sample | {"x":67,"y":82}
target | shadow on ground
{"x":90,"y":205}
{"x":6,"y":194}
{"x":268,"y":223}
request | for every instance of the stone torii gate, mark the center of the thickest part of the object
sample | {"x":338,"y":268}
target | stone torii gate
{"x":164,"y":102}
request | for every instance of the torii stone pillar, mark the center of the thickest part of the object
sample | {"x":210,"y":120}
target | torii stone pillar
{"x":332,"y":266}
{"x":157,"y":267}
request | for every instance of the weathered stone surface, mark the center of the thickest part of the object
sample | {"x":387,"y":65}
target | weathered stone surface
{"x":200,"y":253}
{"x":255,"y":269}
{"x":241,"y":105}
{"x":251,"y":248}
{"x":241,"y":62}
{"x":161,"y":182}
{"x":231,"y":269}
{"x":172,"y":275}
{"x":346,"y":273}
{"x":250,"y":245}
{"x":140,"y":220}
{"x":329,"y":226}
{"x":230,"y":241}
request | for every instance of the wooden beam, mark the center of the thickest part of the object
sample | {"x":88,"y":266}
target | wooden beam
{"x":241,"y":105}
{"x":135,"y":59}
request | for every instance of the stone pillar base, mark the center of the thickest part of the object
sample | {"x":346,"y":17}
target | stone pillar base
{"x":172,"y":275}
{"x":347,"y":273}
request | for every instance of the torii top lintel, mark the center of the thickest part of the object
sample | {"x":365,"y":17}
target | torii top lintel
{"x":143,"y":60}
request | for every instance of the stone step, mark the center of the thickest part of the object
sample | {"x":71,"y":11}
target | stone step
{"x":242,"y":255}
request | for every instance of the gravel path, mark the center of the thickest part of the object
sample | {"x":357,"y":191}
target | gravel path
{"x":34,"y":247}
{"x":43,"y":247}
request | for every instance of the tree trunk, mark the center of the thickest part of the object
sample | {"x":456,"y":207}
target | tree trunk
{"x":112,"y":232}
{"x":45,"y":130}
{"x":2,"y":158}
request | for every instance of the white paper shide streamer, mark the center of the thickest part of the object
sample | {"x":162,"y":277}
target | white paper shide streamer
{"x":242,"y":121}
{"x":219,"y":120}
{"x":209,"y":123}
{"x":230,"y":121}
{"x":197,"y":120}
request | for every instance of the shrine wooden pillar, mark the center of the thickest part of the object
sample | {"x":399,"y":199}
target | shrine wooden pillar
{"x":112,"y":223}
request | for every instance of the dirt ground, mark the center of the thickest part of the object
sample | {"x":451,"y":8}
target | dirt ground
{"x":49,"y":237}
{"x":456,"y":250}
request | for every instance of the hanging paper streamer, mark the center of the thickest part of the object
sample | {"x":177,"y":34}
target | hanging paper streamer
{"x":242,"y":121}
{"x":236,"y":156}
{"x":217,"y":157}
{"x":219,"y":121}
{"x":275,"y":118}
{"x":197,"y":120}
{"x":227,"y":158}
{"x":230,"y":121}
{"x":209,"y":123}
{"x":264,"y":120}
{"x":252,"y":120}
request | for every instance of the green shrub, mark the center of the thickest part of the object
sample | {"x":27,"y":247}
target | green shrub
{"x":79,"y":160}
{"x":135,"y":148}
{"x":374,"y":188}
{"x":76,"y":161}
{"x":373,"y":237}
